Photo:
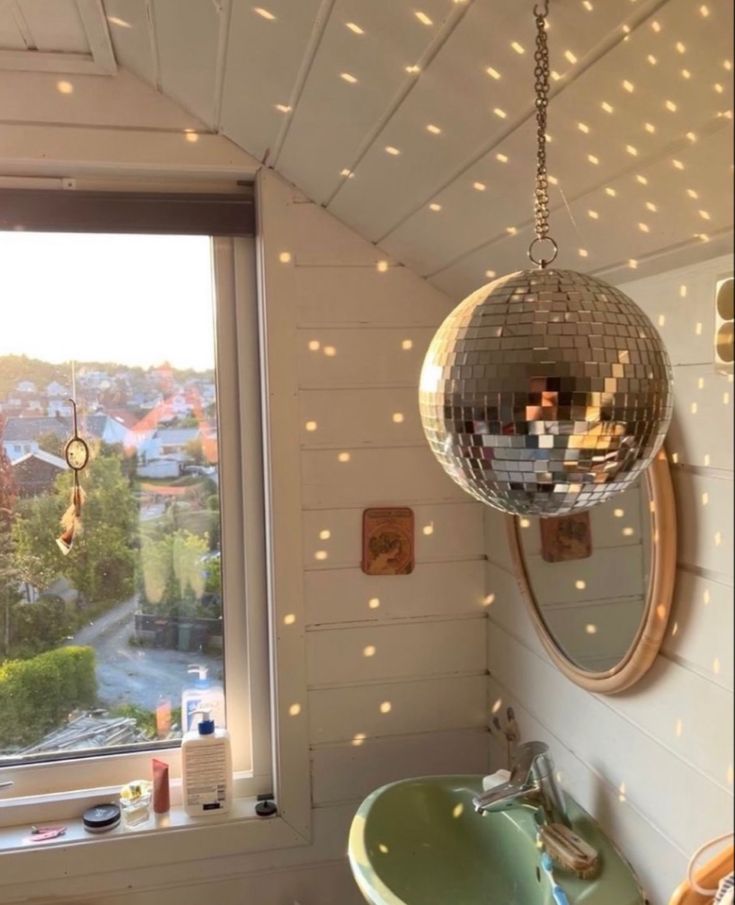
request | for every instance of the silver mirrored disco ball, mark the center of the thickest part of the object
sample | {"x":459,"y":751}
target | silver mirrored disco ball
{"x":546,"y":392}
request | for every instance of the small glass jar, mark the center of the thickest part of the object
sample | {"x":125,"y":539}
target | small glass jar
{"x":135,"y":803}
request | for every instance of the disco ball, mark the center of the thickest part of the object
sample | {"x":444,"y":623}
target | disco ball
{"x":546,"y":392}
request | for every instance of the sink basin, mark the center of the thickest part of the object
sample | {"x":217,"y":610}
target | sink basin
{"x":420,"y":842}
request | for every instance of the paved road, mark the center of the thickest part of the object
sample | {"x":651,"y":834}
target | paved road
{"x":133,"y":675}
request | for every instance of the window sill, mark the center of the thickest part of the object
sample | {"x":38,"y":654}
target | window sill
{"x":172,"y":839}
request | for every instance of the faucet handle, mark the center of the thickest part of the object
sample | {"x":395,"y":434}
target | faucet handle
{"x":526,"y":756}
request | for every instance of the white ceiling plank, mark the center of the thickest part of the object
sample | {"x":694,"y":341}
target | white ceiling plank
{"x":93,"y":19}
{"x":468,"y":218}
{"x":55,"y":26}
{"x":120,"y":102}
{"x":187,"y":37}
{"x":393,"y":38}
{"x":31,"y":61}
{"x":616,"y":235}
{"x":474,"y":109}
{"x":264,"y":57}
{"x":11,"y":36}
{"x":132,"y":41}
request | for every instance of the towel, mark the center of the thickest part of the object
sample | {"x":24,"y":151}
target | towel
{"x":725,"y":891}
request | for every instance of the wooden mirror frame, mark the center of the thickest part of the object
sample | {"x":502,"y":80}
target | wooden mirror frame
{"x":644,"y":647}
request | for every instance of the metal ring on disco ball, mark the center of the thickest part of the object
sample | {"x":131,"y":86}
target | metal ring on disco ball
{"x":543,"y":262}
{"x":546,"y":392}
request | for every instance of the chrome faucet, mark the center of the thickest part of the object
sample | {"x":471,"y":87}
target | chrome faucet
{"x":532,"y":781}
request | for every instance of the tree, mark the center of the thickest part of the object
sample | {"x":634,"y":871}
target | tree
{"x":173,"y":572}
{"x":51,"y":442}
{"x":9,"y":578}
{"x":101,"y":564}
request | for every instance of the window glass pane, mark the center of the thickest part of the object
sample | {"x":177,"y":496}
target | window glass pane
{"x":102,"y":644}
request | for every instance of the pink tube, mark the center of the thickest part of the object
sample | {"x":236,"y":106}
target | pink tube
{"x":161,"y":794}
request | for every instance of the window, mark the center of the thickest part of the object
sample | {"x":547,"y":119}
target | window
{"x":127,"y":305}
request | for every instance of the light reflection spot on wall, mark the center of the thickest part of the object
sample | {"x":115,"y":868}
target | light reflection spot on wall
{"x":383,"y":849}
{"x":294,"y":709}
{"x":458,"y":810}
{"x":675,"y":630}
{"x":661,"y":320}
{"x":428,"y":529}
{"x":706,"y":597}
{"x":325,"y":534}
{"x":285,"y":257}
{"x":693,"y":408}
{"x":619,"y":513}
{"x":729,"y":774}
{"x":311,"y":426}
{"x":289,"y":619}
{"x":407,"y":344}
{"x":488,"y":600}
{"x":628,"y":532}
{"x":358,"y":739}
{"x":679,"y":728}
{"x":725,"y":398}
{"x":580,"y":584}
{"x":386,"y":707}
{"x":369,"y":650}
{"x":707,"y":459}
{"x":321,"y":555}
{"x":382,"y":266}
{"x":314,"y":345}
{"x":621,"y":792}
{"x":705,"y":498}
{"x":343,"y":457}
{"x":591,"y":629}
{"x":374,"y":603}
{"x":497,"y":705}
{"x":718,"y":538}
{"x":716,"y":666}
{"x":64,"y":87}
{"x":661,"y":612}
{"x":398,"y":417}
{"x":330,"y":351}
{"x":525,"y":523}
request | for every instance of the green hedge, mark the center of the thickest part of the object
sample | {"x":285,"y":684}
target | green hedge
{"x":37,"y":695}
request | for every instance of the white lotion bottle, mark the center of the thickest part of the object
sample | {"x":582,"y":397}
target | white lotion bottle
{"x":206,"y":769}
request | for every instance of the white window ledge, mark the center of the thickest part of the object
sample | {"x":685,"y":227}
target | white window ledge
{"x":168,"y":839}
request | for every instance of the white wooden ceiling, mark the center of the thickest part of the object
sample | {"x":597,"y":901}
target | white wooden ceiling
{"x":55,"y":36}
{"x":412,"y":120}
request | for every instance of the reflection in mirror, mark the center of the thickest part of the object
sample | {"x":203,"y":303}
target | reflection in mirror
{"x":599,"y":584}
{"x":589,"y":574}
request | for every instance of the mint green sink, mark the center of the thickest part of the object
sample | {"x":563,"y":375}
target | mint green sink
{"x":419,"y":842}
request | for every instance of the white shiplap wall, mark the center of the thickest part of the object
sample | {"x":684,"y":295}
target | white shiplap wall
{"x":396,"y":666}
{"x":654,"y":764}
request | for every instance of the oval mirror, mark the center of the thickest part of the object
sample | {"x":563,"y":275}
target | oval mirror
{"x":600,"y":582}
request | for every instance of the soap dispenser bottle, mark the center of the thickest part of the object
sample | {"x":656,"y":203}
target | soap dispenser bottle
{"x":206,"y":768}
{"x":201,"y":694}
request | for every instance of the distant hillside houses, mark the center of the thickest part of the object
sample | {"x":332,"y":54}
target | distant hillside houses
{"x":35,"y":472}
{"x":21,"y":435}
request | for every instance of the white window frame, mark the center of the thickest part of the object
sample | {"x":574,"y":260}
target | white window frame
{"x":274,"y":573}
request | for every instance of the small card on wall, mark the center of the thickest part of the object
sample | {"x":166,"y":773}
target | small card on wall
{"x":387,"y":541}
{"x":567,"y":537}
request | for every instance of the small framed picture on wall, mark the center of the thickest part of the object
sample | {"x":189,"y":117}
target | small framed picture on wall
{"x":388,"y":541}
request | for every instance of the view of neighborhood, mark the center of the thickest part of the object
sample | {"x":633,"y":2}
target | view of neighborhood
{"x":95,"y":646}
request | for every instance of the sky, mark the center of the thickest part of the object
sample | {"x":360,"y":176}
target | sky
{"x":130,"y":299}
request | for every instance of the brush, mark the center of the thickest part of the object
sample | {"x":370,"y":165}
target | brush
{"x":569,"y":851}
{"x":560,"y":897}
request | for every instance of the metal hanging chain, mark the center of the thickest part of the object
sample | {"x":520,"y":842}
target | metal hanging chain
{"x":541,"y":85}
